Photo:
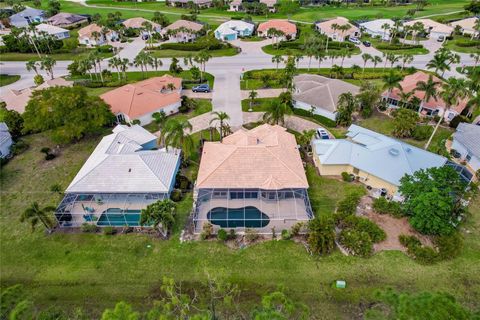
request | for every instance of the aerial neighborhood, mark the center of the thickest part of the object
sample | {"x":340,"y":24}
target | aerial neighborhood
{"x":243,"y":159}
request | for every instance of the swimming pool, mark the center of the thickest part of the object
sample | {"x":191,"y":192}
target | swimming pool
{"x":248,"y":217}
{"x":117,"y":217}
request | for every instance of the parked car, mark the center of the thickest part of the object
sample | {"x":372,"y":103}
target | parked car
{"x":441,"y":38}
{"x":201,"y":88}
{"x":367,"y":43}
{"x":322,"y":134}
{"x":354,"y":40}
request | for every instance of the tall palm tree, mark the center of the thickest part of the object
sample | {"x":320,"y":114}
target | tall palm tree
{"x":143,"y":60}
{"x":34,"y":214}
{"x":277,"y":59}
{"x":453,"y":90}
{"x":385,"y":27}
{"x":344,"y":53}
{"x":124,"y":63}
{"x":366,"y":57}
{"x":276,"y":112}
{"x":392,"y":58}
{"x":148,"y":27}
{"x":429,"y":88}
{"x":47,"y":63}
{"x":320,"y":56}
{"x":115,"y":63}
{"x":406,"y":58}
{"x":391,"y":81}
{"x":202,"y":58}
{"x":32,"y":36}
{"x":174,"y":134}
{"x":439,"y":62}
{"x":376,"y":60}
{"x":221,"y":118}
{"x":156,"y":62}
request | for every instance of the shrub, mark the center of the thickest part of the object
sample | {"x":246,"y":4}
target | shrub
{"x":383,"y":206}
{"x":357,"y":242}
{"x":109,"y":231}
{"x":231,"y":234}
{"x":19,"y":147}
{"x":251,"y":235}
{"x":467,"y":43}
{"x":424,"y":255}
{"x":456,"y":121}
{"x":89,"y":228}
{"x":422,"y":132}
{"x":348,"y":205}
{"x":321,"y":235}
{"x":38,"y":79}
{"x":346,"y":176}
{"x":176,"y":195}
{"x":105,"y":48}
{"x":286,"y":235}
{"x":207,"y":231}
{"x":449,"y":246}
{"x":222,"y":235}
{"x":388,"y":46}
{"x":296,"y":228}
{"x":360,"y":224}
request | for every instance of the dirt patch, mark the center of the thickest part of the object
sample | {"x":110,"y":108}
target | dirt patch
{"x":393,"y":227}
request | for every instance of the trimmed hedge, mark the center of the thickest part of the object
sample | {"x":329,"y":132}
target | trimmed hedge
{"x":388,"y":46}
{"x":194,"y":46}
{"x":331,"y":45}
{"x":321,"y":119}
{"x":467,"y":43}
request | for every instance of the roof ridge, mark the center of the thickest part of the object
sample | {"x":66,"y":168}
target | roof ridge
{"x":235,"y":147}
{"x":283,"y":163}
{"x":150,"y":169}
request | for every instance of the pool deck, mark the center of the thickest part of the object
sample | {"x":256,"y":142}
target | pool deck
{"x":283,"y":213}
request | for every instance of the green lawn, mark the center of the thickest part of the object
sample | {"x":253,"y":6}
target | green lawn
{"x":95,"y":271}
{"x":375,"y":42}
{"x":15,"y":56}
{"x":259,"y":105}
{"x":452,"y":45}
{"x":168,"y":53}
{"x":6,"y":79}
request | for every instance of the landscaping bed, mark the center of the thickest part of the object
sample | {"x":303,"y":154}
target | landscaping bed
{"x":396,"y":48}
{"x":463,"y":44}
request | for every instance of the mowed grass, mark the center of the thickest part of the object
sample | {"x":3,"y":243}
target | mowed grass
{"x":168,"y":53}
{"x":6,"y":79}
{"x":16,"y":56}
{"x":95,"y":271}
{"x":453,"y":45}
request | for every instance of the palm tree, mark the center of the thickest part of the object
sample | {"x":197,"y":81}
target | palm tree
{"x":338,"y":71}
{"x":202,"y":58}
{"x":277,"y":59}
{"x":475,"y":56}
{"x":47,"y":64}
{"x":320,"y":56}
{"x":376,"y":60}
{"x":115,"y":63}
{"x":221,"y":118}
{"x":32,"y":65}
{"x":385,"y":27}
{"x":149,"y":29}
{"x":345,"y":107}
{"x":276,"y":112}
{"x":34,"y":214}
{"x":366,"y":57}
{"x":439,"y":62}
{"x":344,"y":53}
{"x":252,"y":96}
{"x":156,"y":62}
{"x":452,"y":91}
{"x":392,"y":58}
{"x":142,"y":60}
{"x":174,"y":134}
{"x":429,"y":89}
{"x":124,"y":63}
{"x":406,"y":58}
{"x":305,"y":138}
{"x":32,"y":36}
{"x":97,"y":60}
{"x":405,"y":98}
{"x":391,"y":81}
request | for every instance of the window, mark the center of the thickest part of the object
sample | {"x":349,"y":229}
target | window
{"x":468,"y":157}
{"x":219,"y":194}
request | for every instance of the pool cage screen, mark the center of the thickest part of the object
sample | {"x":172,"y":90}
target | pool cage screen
{"x":104,"y":209}
{"x":257,"y":209}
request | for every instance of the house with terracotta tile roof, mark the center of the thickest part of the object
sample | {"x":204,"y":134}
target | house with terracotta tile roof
{"x":435,"y":30}
{"x":467,"y":26}
{"x":428,"y":108}
{"x":93,"y":35}
{"x":289,"y":29}
{"x":320,"y":94}
{"x":183,"y":31}
{"x":252,"y":179}
{"x":139,"y":100}
{"x":138,"y":23}
{"x":328,"y":28}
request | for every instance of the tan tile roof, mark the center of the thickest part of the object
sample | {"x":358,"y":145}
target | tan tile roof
{"x":137,"y":99}
{"x":265,"y":157}
{"x":137,"y":23}
{"x":285,"y":26}
{"x":430,"y":24}
{"x":185,"y":24}
{"x":18,"y":99}
{"x":409,"y":83}
{"x":326,"y":26}
{"x":86,"y":32}
{"x":321,"y":91}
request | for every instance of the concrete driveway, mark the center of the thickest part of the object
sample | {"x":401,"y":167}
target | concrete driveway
{"x":132,"y":49}
{"x":197,"y":95}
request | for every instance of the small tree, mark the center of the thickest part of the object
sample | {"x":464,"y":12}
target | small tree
{"x":122,"y":310}
{"x":160,"y":215}
{"x":34,"y":214}
{"x":321,"y":235}
{"x":404,"y":123}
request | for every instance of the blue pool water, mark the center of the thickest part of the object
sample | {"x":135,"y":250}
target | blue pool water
{"x":248,"y":217}
{"x":118,"y":218}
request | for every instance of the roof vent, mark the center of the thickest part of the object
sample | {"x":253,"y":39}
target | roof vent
{"x":129,"y":169}
{"x":408,"y":149}
{"x":394,"y":152}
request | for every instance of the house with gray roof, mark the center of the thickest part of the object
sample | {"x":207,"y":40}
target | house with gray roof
{"x":67,"y":20}
{"x":124,"y":174}
{"x":320,"y":94}
{"x":5,"y":140}
{"x":372,"y":158}
{"x":466,"y":141}
{"x":24,"y":18}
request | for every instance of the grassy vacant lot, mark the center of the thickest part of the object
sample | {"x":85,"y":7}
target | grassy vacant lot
{"x":453,"y":45}
{"x":95,"y":271}
{"x":6,"y":79}
{"x":375,"y":42}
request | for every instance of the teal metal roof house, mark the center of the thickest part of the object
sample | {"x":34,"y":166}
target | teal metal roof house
{"x":233,"y":29}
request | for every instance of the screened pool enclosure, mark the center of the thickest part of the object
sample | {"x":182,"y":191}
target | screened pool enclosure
{"x":104,"y":209}
{"x":257,"y":209}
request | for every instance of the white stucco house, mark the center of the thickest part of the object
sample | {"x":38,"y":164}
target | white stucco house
{"x":233,"y":29}
{"x":5,"y":140}
{"x":375,"y":28}
{"x":466,"y":141}
{"x":56,"y":32}
{"x":435,"y":30}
